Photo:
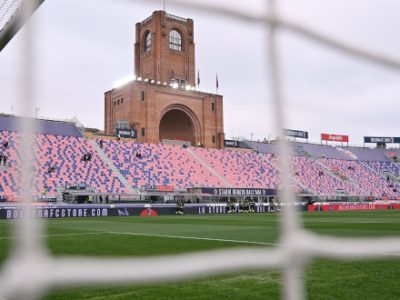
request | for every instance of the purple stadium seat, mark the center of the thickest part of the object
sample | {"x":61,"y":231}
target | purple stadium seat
{"x":63,"y":153}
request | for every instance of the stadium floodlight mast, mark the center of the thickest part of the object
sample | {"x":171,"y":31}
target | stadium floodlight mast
{"x":30,"y":270}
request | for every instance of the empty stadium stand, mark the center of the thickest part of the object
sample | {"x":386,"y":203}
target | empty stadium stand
{"x":366,"y":154}
{"x":319,"y":179}
{"x":385,"y":167}
{"x":125,"y":167}
{"x":241,"y":169}
{"x":328,"y":170}
{"x":57,"y":161}
{"x":369,"y":182}
{"x":148,"y":165}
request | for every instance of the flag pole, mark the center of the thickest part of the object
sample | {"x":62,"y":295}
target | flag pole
{"x":216,"y":84}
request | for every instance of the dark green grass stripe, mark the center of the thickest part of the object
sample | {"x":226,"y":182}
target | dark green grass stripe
{"x":324,"y":279}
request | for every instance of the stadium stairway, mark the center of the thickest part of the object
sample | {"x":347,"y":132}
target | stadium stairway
{"x":349,"y":181}
{"x":111,"y":165}
{"x":369,"y":182}
{"x":209,"y":168}
{"x":294,"y":180}
{"x":392,"y":176}
{"x":368,"y":166}
{"x":330,"y":172}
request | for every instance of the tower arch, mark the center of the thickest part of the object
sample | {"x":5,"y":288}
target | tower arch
{"x":179,"y":122}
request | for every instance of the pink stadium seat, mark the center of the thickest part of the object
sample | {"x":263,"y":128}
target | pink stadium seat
{"x":171,"y":165}
{"x":241,"y":169}
{"x":317,"y":179}
{"x":159,"y":165}
{"x":369,"y":182}
{"x":64,"y":154}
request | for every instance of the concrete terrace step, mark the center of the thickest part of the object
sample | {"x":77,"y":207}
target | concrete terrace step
{"x":275,"y":166}
{"x":108,"y":161}
{"x":208,"y":167}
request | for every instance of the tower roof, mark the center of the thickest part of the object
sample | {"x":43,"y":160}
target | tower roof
{"x":167,"y":15}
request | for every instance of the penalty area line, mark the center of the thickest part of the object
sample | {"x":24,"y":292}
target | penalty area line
{"x":193,"y":238}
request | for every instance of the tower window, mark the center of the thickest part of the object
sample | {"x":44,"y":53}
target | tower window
{"x":175,"y":40}
{"x":142,"y":96}
{"x":213,"y":139}
{"x":147,"y":41}
{"x":213,"y":106}
{"x":143,"y":132}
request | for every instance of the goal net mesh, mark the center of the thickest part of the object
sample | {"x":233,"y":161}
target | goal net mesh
{"x":8,"y":9}
{"x":30,"y":270}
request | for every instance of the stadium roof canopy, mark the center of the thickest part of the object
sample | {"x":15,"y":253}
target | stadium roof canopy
{"x":42,"y":126}
{"x":12,"y":18}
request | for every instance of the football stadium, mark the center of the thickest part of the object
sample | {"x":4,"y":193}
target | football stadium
{"x":178,"y":192}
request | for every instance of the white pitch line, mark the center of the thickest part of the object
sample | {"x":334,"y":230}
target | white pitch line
{"x":193,"y":238}
{"x":353,"y":221}
{"x":152,"y":235}
{"x":57,"y":235}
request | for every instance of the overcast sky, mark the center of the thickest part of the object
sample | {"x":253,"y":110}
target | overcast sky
{"x":86,"y":45}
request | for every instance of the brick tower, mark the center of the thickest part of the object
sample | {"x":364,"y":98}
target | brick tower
{"x":162,"y":102}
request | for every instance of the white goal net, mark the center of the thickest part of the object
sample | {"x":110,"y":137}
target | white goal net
{"x":30,"y":270}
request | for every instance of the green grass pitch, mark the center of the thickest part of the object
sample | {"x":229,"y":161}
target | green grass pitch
{"x":128,"y":236}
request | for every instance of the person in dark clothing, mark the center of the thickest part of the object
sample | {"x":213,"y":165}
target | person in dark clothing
{"x":252,"y":206}
{"x":101,"y":144}
{"x":87,"y":157}
{"x":232,"y":207}
{"x":5,"y":159}
{"x":5,"y":145}
{"x":179,"y":207}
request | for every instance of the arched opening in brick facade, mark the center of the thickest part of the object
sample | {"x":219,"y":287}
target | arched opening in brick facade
{"x":178,"y":122}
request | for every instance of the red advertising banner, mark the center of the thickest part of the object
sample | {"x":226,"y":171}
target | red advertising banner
{"x":334,"y":137}
{"x":165,"y":188}
{"x":352,"y":207}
